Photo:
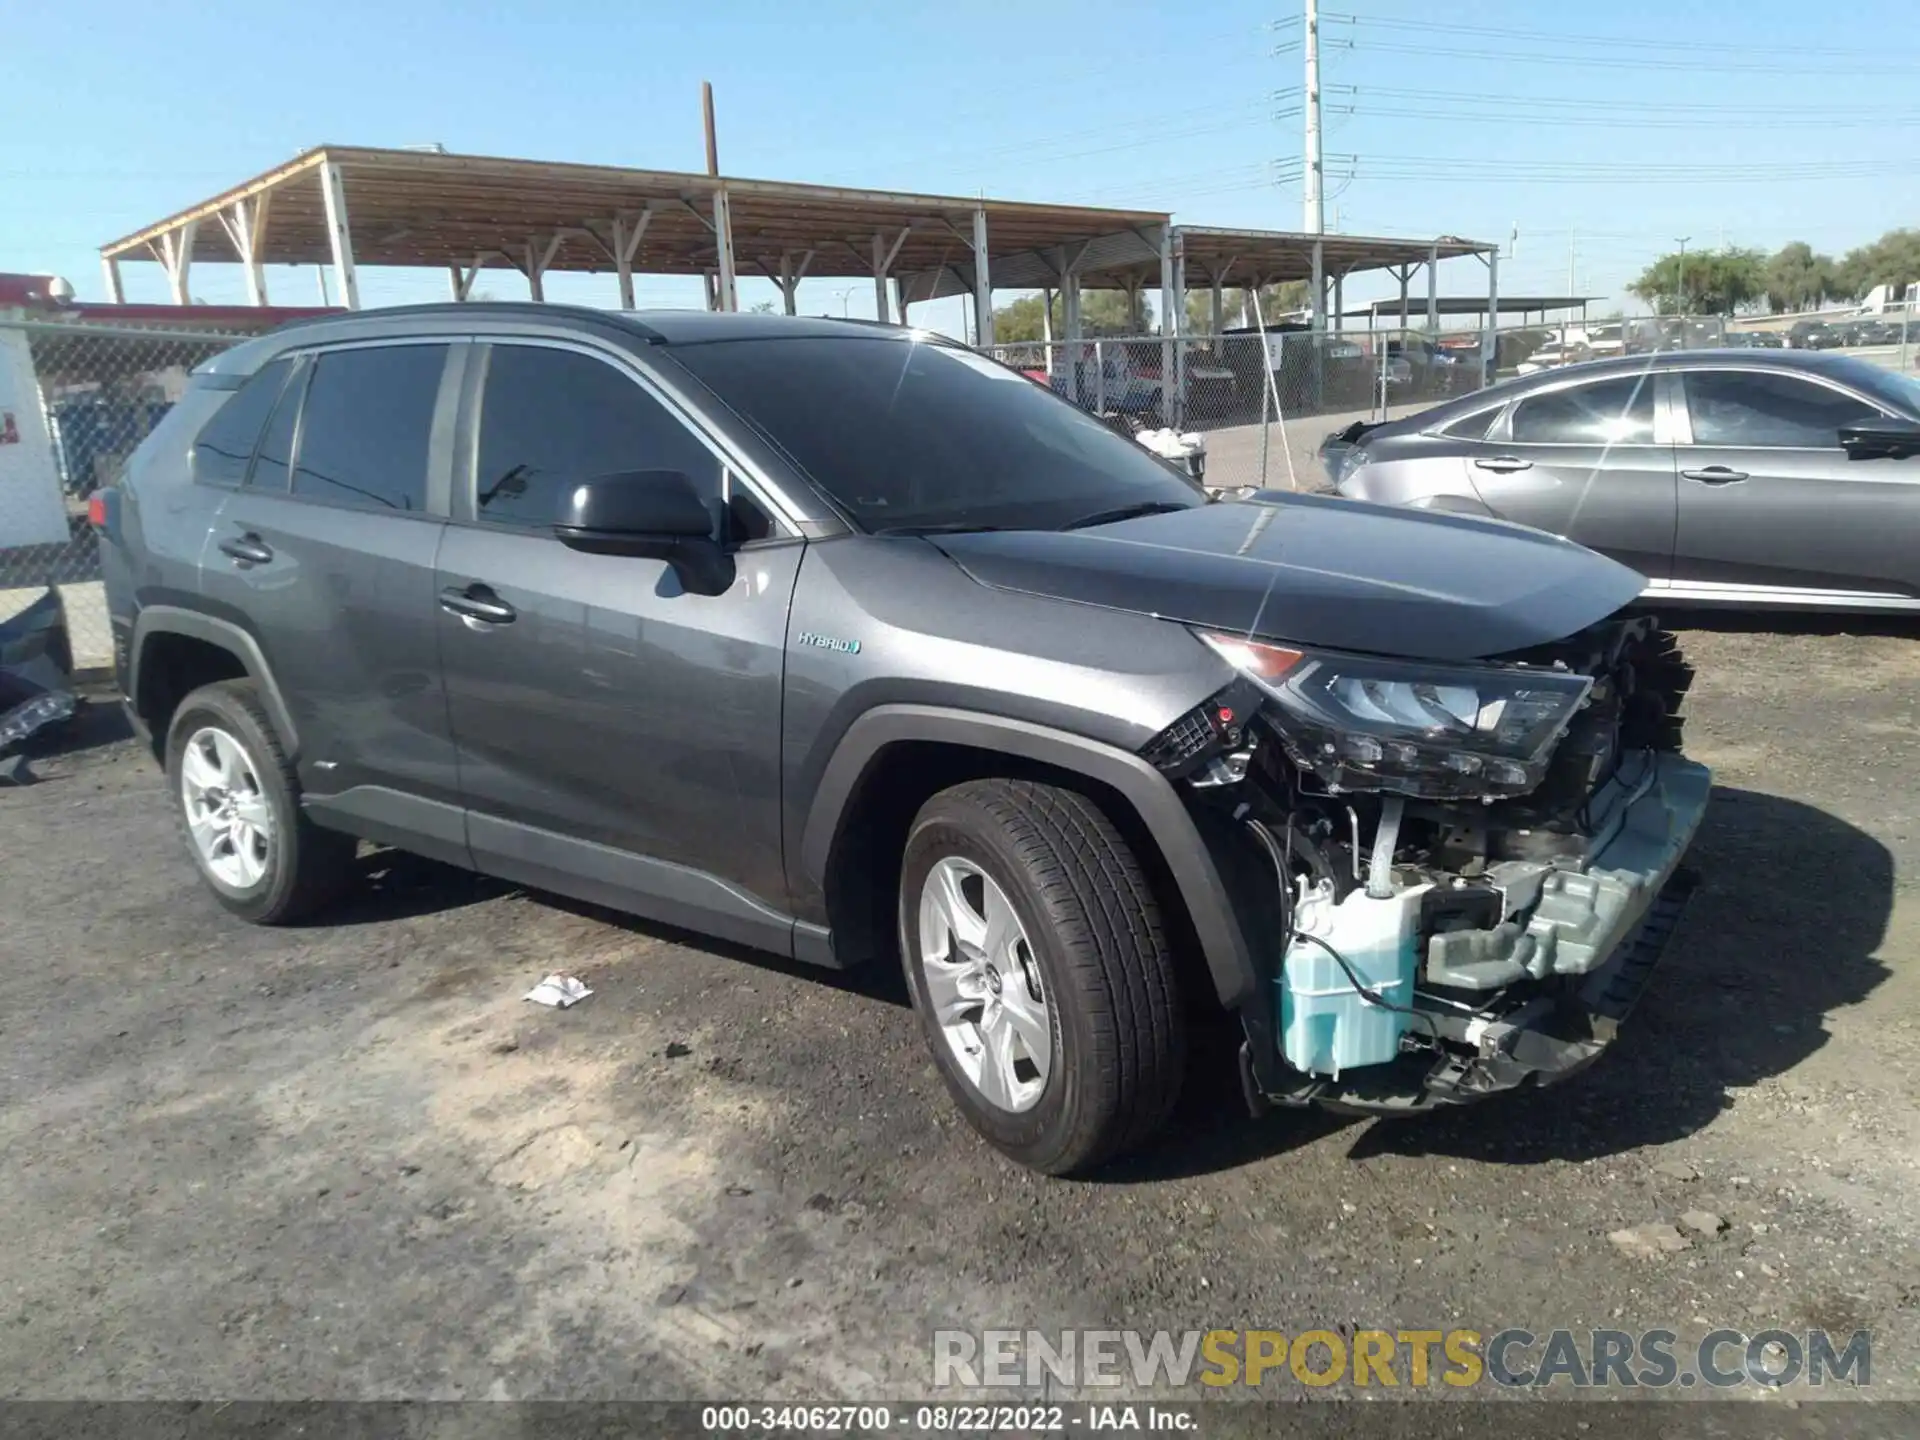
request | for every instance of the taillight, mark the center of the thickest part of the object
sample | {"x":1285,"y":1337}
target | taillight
{"x":97,"y":509}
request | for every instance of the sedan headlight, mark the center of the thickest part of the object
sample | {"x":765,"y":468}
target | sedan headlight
{"x":1362,"y":723}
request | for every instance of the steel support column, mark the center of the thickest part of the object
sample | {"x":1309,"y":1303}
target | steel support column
{"x":333,"y":192}
{"x":176,"y":254}
{"x":1319,"y":285}
{"x":1433,"y":292}
{"x":1169,"y":381}
{"x":110,"y":272}
{"x":627,"y":235}
{"x":1493,"y":315}
{"x":246,"y":227}
{"x":727,"y":296}
{"x":982,"y":283}
{"x":789,"y":280}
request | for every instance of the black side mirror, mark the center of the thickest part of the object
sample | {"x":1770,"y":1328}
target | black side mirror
{"x":651,"y":514}
{"x":1883,"y":436}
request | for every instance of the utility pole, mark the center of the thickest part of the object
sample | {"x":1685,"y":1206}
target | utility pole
{"x":1682,"y":280}
{"x":1315,"y":221}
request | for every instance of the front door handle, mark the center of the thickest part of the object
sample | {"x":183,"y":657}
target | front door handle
{"x":1716,"y":475}
{"x":1504,"y":464}
{"x":478,"y":603}
{"x":247,"y":549}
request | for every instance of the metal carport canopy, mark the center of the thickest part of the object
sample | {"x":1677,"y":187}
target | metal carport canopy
{"x":344,"y":206}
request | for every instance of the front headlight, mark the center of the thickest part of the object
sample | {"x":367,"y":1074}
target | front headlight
{"x":1362,"y":723}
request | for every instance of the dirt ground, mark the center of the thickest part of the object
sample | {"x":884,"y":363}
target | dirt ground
{"x":348,"y":1161}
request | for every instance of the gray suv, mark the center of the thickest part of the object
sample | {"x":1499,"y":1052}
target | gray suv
{"x":831,"y":638}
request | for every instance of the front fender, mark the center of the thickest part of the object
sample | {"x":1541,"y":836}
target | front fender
{"x":1153,"y":799}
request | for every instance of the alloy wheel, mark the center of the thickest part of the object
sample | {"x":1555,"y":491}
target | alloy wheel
{"x":983,"y":985}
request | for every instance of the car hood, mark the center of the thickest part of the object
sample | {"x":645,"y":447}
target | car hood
{"x":1322,"y":571}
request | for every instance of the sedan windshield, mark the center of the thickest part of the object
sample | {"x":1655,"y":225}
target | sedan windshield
{"x":913,"y":435}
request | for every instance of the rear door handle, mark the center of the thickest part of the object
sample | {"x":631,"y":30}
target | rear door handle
{"x":1504,"y":464}
{"x":477,"y":602}
{"x":247,"y":549}
{"x":1716,"y":475}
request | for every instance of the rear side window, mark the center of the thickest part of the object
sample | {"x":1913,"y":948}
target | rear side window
{"x":274,"y":458}
{"x":226,"y":445}
{"x":365,"y":427}
{"x":1471,"y":427}
{"x":1606,"y":412}
{"x":552,"y":418}
{"x":1733,"y":407}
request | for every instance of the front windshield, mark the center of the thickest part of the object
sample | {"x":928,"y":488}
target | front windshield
{"x":912,"y":435}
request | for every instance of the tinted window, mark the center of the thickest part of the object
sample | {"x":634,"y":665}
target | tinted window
{"x":1607,"y":412}
{"x":226,"y":445}
{"x":1729,"y":407}
{"x":275,"y":454}
{"x":551,"y":418}
{"x":906,"y":434}
{"x":363,"y":436}
{"x":1471,"y":427}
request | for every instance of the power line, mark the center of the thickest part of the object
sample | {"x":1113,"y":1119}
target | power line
{"x":1662,"y":44}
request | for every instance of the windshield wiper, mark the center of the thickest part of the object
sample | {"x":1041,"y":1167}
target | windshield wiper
{"x":1126,"y":512}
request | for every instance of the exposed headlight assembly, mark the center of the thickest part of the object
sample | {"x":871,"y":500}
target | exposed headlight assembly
{"x":1439,"y":731}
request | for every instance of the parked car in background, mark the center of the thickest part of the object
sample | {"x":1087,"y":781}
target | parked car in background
{"x":851,"y":645}
{"x":1745,"y":478}
{"x":1605,"y":340}
{"x":1813,"y":335}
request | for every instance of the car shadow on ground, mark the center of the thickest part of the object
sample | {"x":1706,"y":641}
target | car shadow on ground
{"x":1783,"y":931}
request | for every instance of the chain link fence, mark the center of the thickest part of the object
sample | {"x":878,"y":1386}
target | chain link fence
{"x":1264,"y":401}
{"x":75,"y":399}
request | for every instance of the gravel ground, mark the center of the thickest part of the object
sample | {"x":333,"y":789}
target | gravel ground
{"x":348,"y":1161}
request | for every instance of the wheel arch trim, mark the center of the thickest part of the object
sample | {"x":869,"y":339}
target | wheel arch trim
{"x":174,"y":620}
{"x":1152,"y":797}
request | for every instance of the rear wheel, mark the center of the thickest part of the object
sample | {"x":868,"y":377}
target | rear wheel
{"x":239,"y":809}
{"x":1040,"y":968}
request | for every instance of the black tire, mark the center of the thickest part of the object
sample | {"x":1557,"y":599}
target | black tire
{"x":1094,"y":928}
{"x":306,"y":866}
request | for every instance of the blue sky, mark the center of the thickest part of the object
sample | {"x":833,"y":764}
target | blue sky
{"x":1619,"y":127}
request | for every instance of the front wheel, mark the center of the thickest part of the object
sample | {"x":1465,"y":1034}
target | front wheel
{"x":1039,"y":966}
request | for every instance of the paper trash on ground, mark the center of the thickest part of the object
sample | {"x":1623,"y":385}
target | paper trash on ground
{"x":559,"y":990}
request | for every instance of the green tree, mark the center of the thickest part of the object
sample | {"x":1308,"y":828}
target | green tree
{"x":1893,"y":259}
{"x":1275,"y":300}
{"x":1799,"y":278}
{"x":1703,"y":282}
{"x":1102,"y":312}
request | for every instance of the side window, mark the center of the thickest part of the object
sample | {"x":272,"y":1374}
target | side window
{"x":1471,"y":427}
{"x":274,"y":459}
{"x":365,"y":425}
{"x":1735,"y":407}
{"x":1607,"y":412}
{"x":226,"y":445}
{"x":551,"y":418}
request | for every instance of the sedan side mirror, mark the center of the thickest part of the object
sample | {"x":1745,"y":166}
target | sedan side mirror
{"x":652,"y":514}
{"x":1885,"y":435}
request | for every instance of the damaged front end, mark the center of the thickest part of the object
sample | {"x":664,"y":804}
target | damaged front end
{"x":1455,"y":879}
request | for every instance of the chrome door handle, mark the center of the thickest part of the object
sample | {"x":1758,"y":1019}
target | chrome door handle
{"x":1716,"y":475}
{"x":248,"y":549}
{"x":1504,"y":464}
{"x":477,"y":602}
